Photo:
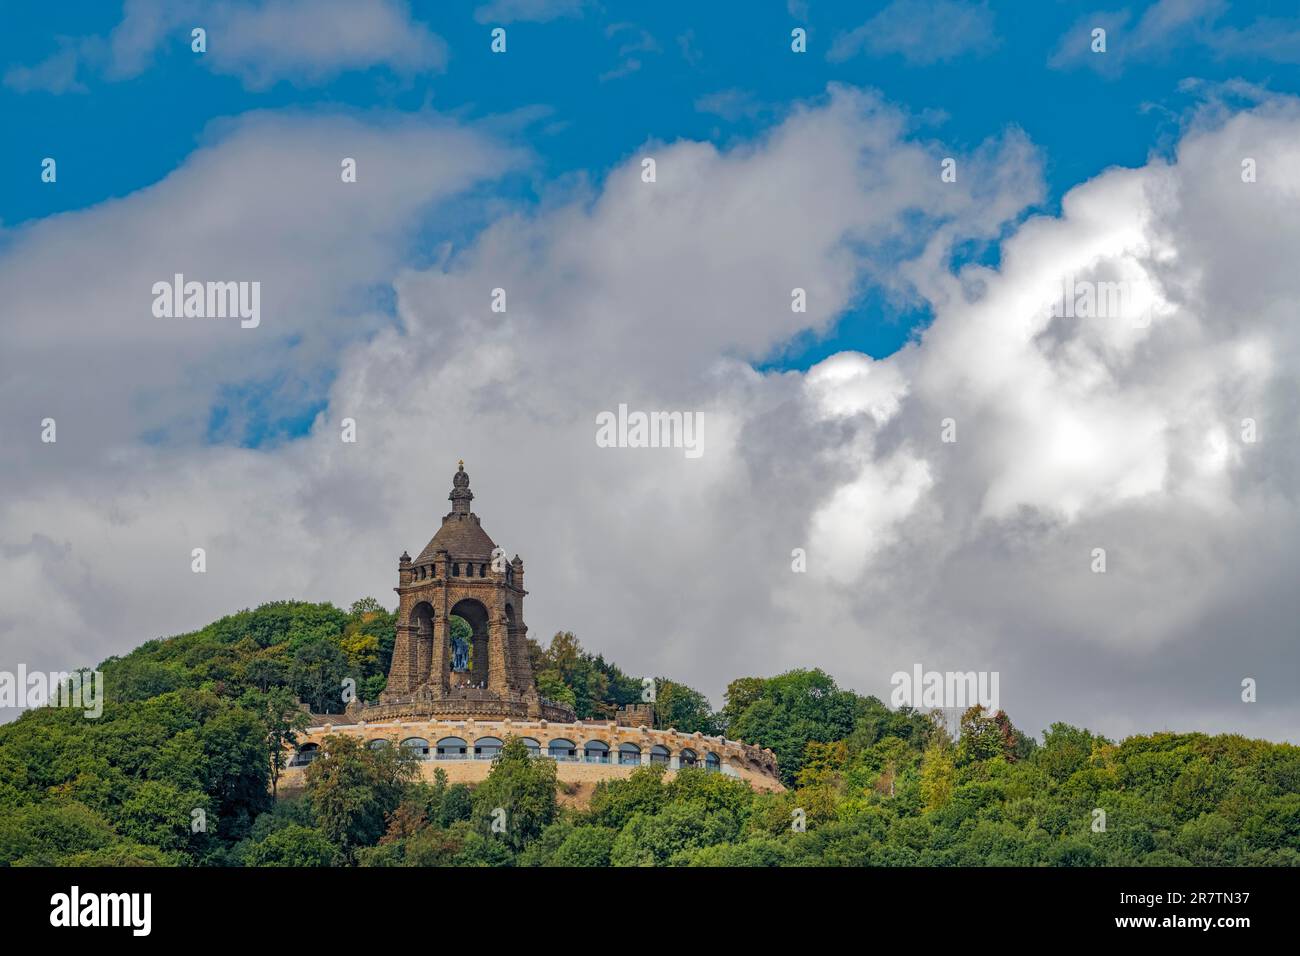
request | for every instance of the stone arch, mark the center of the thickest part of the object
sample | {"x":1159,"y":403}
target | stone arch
{"x":418,"y":746}
{"x":596,"y":751}
{"x":379,"y":742}
{"x":452,"y":748}
{"x":712,"y":761}
{"x":687,"y":758}
{"x":475,"y":614}
{"x":660,"y":754}
{"x":305,"y":755}
{"x":485,"y":748}
{"x":422,"y":615}
{"x":561,"y":748}
{"x":534,"y":746}
{"x":629,"y":754}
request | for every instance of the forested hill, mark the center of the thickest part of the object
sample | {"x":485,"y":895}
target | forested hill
{"x":179,"y":770}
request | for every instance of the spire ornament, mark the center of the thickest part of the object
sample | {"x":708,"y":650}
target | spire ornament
{"x":460,"y":495}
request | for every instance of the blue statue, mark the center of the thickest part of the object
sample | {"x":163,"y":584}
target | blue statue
{"x":459,"y":654}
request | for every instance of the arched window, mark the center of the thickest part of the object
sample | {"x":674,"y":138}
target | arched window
{"x":596,"y":751}
{"x":711,"y":761}
{"x":562,"y":749}
{"x":659,"y":754}
{"x":455,"y":570}
{"x":687,"y":758}
{"x":629,"y":754}
{"x":418,"y":746}
{"x":534,"y":748}
{"x":485,"y":748}
{"x":379,"y":742}
{"x":452,"y":748}
{"x":305,"y":755}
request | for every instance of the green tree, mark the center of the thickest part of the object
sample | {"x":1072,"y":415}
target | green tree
{"x":282,"y":721}
{"x":680,"y":827}
{"x":353,"y":788}
{"x":787,"y":711}
{"x":157,"y":814}
{"x":517,"y":800}
{"x":615,"y":802}
{"x":680,"y":707}
{"x":938,"y":775}
{"x":585,"y":847}
{"x":981,"y":737}
{"x":317,"y":674}
{"x":235,"y":769}
{"x":294,"y":845}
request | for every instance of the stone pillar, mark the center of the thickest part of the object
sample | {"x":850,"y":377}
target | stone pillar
{"x":439,"y":662}
{"x":423,"y":652}
{"x":498,"y":679}
{"x":521,"y":672}
{"x":401,"y":674}
{"x":674,"y":761}
{"x":645,"y":756}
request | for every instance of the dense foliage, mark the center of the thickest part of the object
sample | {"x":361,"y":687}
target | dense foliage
{"x":182,"y":766}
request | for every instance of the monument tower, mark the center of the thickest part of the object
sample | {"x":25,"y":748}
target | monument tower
{"x":461,"y":572}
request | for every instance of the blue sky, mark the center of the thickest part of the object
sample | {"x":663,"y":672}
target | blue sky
{"x":589,"y":87}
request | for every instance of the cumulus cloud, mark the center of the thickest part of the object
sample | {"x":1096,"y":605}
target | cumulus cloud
{"x":1072,"y":432}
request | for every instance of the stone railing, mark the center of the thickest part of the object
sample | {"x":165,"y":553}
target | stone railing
{"x":475,"y":703}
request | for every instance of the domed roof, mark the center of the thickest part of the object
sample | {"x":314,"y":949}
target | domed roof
{"x":461,"y":536}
